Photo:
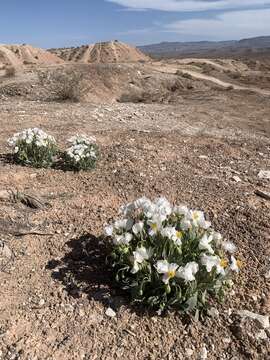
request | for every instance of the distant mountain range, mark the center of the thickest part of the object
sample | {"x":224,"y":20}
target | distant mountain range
{"x":257,"y":46}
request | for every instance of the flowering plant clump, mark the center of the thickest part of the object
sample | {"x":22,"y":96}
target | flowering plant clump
{"x":33,"y":147}
{"x":169,"y":256}
{"x":82,"y":154}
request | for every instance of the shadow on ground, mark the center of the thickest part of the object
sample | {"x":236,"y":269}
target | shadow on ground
{"x":84,"y":270}
{"x":6,"y":159}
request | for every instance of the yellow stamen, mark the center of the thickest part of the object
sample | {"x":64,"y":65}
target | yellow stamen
{"x":179,"y":234}
{"x":239,"y":263}
{"x":154,"y":227}
{"x":195,"y":216}
{"x":224,"y":263}
{"x":171,"y":274}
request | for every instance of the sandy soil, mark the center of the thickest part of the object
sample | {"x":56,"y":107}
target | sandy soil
{"x":55,"y":287}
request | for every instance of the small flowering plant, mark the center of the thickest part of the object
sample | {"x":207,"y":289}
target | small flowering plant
{"x":82,"y":153}
{"x":33,"y":147}
{"x":169,"y":256}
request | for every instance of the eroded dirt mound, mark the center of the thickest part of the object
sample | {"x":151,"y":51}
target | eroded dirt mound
{"x":104,"y":52}
{"x":18,"y":55}
{"x":101,"y":83}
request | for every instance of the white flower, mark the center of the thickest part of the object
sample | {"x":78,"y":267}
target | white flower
{"x":181,"y":210}
{"x":124,"y":239}
{"x":205,"y":243}
{"x":198,"y":220}
{"x":209,"y":261}
{"x":128,"y":209}
{"x":138,"y":227}
{"x":155,"y":224}
{"x":188,"y":271}
{"x":142,"y":203}
{"x":168,"y":270}
{"x":139,"y":256}
{"x":217,"y":237}
{"x":214,"y":261}
{"x":185,"y":224}
{"x":108,"y":230}
{"x":171,"y":233}
{"x":229,"y":246}
{"x":163,"y":206}
{"x":235,"y":264}
{"x":31,"y":136}
{"x":123,"y":224}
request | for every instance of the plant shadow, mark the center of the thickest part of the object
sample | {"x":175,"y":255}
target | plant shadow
{"x":84,"y":270}
{"x":7,"y":159}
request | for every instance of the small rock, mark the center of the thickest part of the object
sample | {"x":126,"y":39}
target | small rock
{"x":5,"y":251}
{"x":236,"y":178}
{"x":203,"y":354}
{"x":110,"y":312}
{"x":262,"y":319}
{"x":264,"y":174}
{"x":41,"y":302}
{"x":189,"y":352}
{"x":262,"y":335}
{"x":267,"y":275}
{"x":203,"y":157}
{"x":213,"y":312}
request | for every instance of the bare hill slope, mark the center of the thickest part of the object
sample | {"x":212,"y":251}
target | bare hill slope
{"x":18,"y":55}
{"x":104,"y":52}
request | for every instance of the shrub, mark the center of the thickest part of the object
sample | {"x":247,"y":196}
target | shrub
{"x":82,"y":154}
{"x":170,"y":257}
{"x":33,"y":147}
{"x":62,"y":84}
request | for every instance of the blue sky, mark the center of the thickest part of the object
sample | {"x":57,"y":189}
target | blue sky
{"x":55,"y":23}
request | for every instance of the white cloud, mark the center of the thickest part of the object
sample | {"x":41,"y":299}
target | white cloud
{"x":190,"y":5}
{"x":229,"y":25}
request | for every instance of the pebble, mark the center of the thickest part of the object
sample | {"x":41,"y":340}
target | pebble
{"x":189,"y":352}
{"x":110,"y":312}
{"x":236,"y":178}
{"x":264,"y":174}
{"x":41,"y":302}
{"x":213,"y":312}
{"x":262,"y":319}
{"x":203,"y":354}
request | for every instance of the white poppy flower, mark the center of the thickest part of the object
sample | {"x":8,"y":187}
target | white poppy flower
{"x":198,"y":219}
{"x":185,"y":225}
{"x":214,"y":261}
{"x":108,"y":230}
{"x":181,"y":210}
{"x":205,"y":243}
{"x":188,"y":271}
{"x":155,"y":224}
{"x":209,"y":261}
{"x":168,"y":270}
{"x":229,"y":246}
{"x":124,"y":239}
{"x":123,"y":224}
{"x":163,"y":206}
{"x":235,"y":264}
{"x":138,"y":227}
{"x":139,"y":256}
{"x":171,"y":233}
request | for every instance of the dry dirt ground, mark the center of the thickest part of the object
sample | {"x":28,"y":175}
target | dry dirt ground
{"x":54,"y":285}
